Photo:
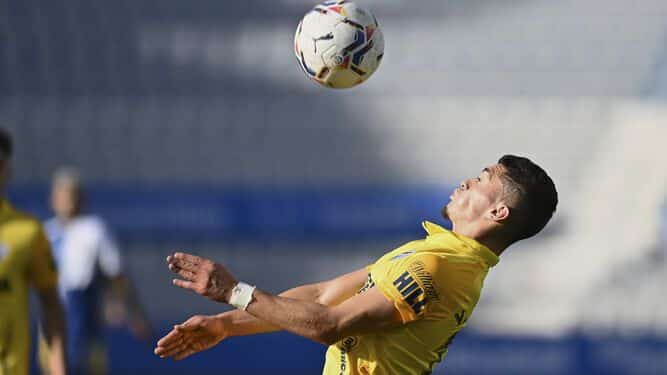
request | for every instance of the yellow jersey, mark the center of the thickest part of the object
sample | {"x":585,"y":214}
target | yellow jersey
{"x":25,"y":261}
{"x":435,"y":284}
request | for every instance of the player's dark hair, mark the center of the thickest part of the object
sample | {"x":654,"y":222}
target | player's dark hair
{"x":534,"y":196}
{"x":5,"y":144}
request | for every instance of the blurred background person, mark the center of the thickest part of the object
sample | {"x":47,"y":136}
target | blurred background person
{"x":91,"y":267}
{"x":25,"y":262}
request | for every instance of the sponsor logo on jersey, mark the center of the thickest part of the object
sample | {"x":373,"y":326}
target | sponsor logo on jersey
{"x":419,"y":270}
{"x":345,"y":345}
{"x":369,"y":284}
{"x":412,"y":292}
{"x":416,"y":286}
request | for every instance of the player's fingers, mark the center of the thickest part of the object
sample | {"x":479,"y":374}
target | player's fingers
{"x":184,"y":284}
{"x":159,"y":350}
{"x":170,"y":352}
{"x":188,"y":257}
{"x":174,"y":351}
{"x":188,"y":275}
{"x":171,"y":337}
{"x":172,"y":341}
{"x":191,"y":324}
{"x":167,"y":343}
{"x":162,"y":350}
{"x":182,"y":264}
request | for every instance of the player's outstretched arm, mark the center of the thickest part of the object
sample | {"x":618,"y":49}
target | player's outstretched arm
{"x":362,"y":313}
{"x":203,"y":332}
{"x":125,"y":291}
{"x":328,"y":293}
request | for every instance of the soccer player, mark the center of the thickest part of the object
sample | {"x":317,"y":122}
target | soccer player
{"x":25,"y":262}
{"x":398,"y":315}
{"x":89,"y":261}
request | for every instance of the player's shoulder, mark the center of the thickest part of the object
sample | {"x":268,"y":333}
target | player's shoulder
{"x":19,"y":221}
{"x":432,"y":263}
{"x":16,"y":215}
{"x":444,"y":264}
{"x":91,"y":223}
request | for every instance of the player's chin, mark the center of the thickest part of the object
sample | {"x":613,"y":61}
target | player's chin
{"x":445,"y":212}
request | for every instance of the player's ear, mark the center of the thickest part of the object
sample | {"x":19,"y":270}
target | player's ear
{"x":500,"y":212}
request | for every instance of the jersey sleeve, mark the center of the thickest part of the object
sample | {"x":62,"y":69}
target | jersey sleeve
{"x":42,"y":269}
{"x":409,"y":284}
{"x":110,"y":261}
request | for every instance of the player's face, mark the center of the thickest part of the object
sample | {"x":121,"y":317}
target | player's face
{"x":65,"y":200}
{"x":475,"y":197}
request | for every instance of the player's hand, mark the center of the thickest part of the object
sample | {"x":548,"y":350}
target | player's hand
{"x":195,"y":335}
{"x":202,"y":276}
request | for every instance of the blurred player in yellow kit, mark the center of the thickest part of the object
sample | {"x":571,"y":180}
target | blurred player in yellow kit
{"x":25,"y":261}
{"x":399,"y":314}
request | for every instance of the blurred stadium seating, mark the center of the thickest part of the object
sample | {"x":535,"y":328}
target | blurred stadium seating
{"x":195,"y":129}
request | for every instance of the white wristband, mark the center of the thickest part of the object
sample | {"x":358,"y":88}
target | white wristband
{"x":241,"y":295}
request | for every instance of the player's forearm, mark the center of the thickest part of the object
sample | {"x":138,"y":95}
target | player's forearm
{"x":54,"y":332}
{"x":329,"y":293}
{"x":124,"y":291}
{"x":304,"y":318}
{"x":240,"y":323}
{"x":57,"y":355}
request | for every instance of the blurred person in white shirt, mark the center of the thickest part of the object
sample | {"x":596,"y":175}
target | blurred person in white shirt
{"x":91,"y":268}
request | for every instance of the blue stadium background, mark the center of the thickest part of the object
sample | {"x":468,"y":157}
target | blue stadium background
{"x":194,"y":129}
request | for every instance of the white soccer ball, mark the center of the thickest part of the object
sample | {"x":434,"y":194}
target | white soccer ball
{"x":338,"y":44}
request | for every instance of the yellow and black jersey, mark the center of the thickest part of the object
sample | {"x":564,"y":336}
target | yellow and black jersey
{"x":435,"y":284}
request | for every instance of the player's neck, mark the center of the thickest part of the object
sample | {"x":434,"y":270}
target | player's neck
{"x":497,"y":246}
{"x":485,"y":236}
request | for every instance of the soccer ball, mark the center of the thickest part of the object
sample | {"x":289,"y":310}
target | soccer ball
{"x":338,"y":44}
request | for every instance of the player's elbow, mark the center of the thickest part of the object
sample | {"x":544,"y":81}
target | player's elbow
{"x":326,"y":331}
{"x":327,"y":336}
{"x":50,"y":303}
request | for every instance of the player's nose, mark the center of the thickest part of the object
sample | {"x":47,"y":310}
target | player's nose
{"x":464,"y":185}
